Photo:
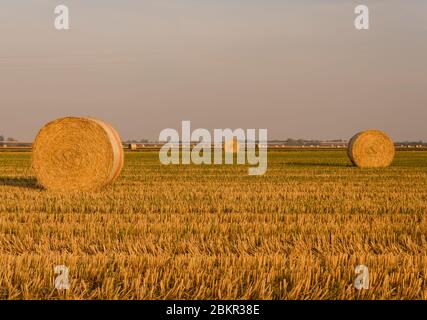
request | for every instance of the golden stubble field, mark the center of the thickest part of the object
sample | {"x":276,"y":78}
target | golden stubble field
{"x":213,"y":232}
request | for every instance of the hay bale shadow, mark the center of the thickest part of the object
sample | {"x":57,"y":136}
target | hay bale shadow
{"x":30,"y":183}
{"x":319,"y":164}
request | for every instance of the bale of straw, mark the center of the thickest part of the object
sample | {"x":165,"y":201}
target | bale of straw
{"x":231,"y":146}
{"x":371,"y":149}
{"x":77,"y":154}
{"x":133,"y":146}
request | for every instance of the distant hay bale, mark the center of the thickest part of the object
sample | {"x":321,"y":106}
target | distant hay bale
{"x":260,"y":146}
{"x":133,"y":147}
{"x":371,"y":149}
{"x":77,"y":154}
{"x":231,"y":146}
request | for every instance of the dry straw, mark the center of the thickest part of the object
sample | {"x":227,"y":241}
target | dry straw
{"x":77,"y":154}
{"x":231,"y":146}
{"x":371,"y":149}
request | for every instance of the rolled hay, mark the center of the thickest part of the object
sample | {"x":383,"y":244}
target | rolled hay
{"x":231,"y":146}
{"x":77,"y":154}
{"x":371,"y":149}
{"x":261,"y":146}
{"x":133,"y":147}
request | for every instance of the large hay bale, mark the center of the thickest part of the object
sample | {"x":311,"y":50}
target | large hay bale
{"x":133,"y":146}
{"x":77,"y":154}
{"x":371,"y":149}
{"x":231,"y":146}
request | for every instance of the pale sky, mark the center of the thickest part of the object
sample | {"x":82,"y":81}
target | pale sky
{"x":297,"y":68}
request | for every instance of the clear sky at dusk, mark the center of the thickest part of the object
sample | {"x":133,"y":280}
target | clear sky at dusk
{"x":297,"y":68}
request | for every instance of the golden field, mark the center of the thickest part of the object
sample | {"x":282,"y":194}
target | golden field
{"x":213,"y":232}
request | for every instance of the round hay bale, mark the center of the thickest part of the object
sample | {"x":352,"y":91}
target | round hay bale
{"x":77,"y":154}
{"x":231,"y":146}
{"x":133,"y":146}
{"x":371,"y":149}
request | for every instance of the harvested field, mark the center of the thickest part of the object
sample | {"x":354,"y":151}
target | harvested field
{"x":211,"y":232}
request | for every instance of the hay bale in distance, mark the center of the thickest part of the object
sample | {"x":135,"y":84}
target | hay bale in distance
{"x":371,"y":149}
{"x":77,"y":154}
{"x":133,"y":146}
{"x":231,"y":146}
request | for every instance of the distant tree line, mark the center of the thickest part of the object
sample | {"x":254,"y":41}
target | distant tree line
{"x":288,"y":142}
{"x":138,"y":141}
{"x":302,"y":142}
{"x":411,"y":143}
{"x":2,"y":139}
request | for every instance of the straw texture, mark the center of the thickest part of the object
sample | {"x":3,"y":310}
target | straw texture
{"x":371,"y":149}
{"x":77,"y":154}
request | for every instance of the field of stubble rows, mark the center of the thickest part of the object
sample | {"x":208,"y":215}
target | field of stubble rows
{"x":213,"y":232}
